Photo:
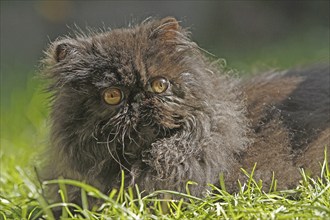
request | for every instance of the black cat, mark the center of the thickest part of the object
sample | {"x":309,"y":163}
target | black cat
{"x":147,"y":101}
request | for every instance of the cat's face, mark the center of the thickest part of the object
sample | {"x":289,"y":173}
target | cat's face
{"x":127,"y":88}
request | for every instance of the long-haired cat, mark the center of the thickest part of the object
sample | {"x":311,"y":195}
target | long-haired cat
{"x":147,"y":100}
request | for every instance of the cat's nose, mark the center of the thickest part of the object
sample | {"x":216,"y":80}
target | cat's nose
{"x":138,"y":97}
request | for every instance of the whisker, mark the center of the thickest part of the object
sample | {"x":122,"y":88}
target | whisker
{"x":115,"y":159}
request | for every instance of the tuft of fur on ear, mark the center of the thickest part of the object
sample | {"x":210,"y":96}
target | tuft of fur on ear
{"x":62,"y":50}
{"x":167,"y":29}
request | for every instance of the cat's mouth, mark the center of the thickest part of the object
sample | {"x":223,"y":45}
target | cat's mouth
{"x":141,"y":139}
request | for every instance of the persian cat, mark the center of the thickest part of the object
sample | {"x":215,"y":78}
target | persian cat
{"x":146,"y":100}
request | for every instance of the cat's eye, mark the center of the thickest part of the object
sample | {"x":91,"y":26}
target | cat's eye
{"x":159,"y":85}
{"x":113,"y":96}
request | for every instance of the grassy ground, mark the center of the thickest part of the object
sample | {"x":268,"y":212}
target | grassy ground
{"x":21,"y":198}
{"x":24,"y":134}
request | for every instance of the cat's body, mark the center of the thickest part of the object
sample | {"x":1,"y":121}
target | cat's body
{"x":145,"y":100}
{"x":290,"y":120}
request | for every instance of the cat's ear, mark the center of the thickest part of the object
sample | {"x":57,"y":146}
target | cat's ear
{"x":167,"y":29}
{"x":63,"y":49}
{"x":59,"y":52}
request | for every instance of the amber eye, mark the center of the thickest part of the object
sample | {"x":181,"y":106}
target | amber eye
{"x":159,"y":85}
{"x":112,"y":96}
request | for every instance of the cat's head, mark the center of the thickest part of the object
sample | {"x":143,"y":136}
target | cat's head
{"x":128,"y":88}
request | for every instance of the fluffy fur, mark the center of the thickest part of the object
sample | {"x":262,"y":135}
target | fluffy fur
{"x":205,"y":124}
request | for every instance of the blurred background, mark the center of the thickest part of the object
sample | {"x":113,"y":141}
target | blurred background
{"x":250,"y":35}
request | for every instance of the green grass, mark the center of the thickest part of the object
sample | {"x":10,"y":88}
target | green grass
{"x":310,"y":200}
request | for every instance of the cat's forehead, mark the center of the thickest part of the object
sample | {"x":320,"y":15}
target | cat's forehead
{"x":134,"y":56}
{"x":122,"y":40}
{"x":118,"y":56}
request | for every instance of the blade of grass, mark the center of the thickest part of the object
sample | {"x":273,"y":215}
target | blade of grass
{"x":34,"y":190}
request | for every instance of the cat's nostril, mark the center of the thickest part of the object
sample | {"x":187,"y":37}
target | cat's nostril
{"x":135,"y":106}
